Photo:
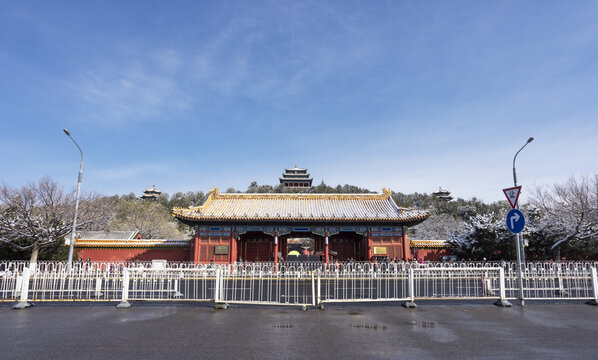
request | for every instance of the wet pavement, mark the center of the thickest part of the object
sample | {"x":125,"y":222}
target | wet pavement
{"x":189,"y":331}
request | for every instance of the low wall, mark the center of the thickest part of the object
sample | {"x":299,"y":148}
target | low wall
{"x":430,"y":254}
{"x":134,"y":254}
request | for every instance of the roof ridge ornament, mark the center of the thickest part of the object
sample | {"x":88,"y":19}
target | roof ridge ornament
{"x":387,"y":192}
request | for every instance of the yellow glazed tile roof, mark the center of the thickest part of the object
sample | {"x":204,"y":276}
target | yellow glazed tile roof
{"x":141,"y":243}
{"x":419,"y":244}
{"x":300,"y":207}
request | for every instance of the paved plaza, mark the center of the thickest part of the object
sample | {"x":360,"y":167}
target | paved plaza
{"x":185,"y":331}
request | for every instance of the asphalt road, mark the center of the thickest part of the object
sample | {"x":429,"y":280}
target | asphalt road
{"x":188,"y":331}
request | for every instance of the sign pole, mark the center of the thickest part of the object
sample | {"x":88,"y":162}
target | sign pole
{"x":518,"y":238}
{"x":520,"y":268}
{"x":520,"y":259}
{"x":513,"y":223}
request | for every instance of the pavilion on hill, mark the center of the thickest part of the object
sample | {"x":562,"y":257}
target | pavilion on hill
{"x":442,"y":194}
{"x":296,"y":177}
{"x":151,"y":193}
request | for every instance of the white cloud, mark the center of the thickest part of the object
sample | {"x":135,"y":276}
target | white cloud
{"x":138,"y":91}
{"x":285,"y":53}
{"x":128,"y":172}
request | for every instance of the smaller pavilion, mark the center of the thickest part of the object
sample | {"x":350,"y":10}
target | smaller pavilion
{"x":151,"y":194}
{"x":443,"y":195}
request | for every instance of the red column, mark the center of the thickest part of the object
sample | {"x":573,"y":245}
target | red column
{"x":406,"y":248}
{"x":232,"y":257}
{"x":370,"y":248}
{"x":326,"y":248}
{"x":196,"y":248}
{"x":276,"y":251}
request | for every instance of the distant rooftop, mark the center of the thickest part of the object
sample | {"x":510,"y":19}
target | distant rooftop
{"x":296,"y":177}
{"x":151,"y":193}
{"x":295,"y":169}
{"x":443,"y":194}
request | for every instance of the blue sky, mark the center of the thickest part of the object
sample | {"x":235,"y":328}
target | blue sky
{"x":410,"y":95}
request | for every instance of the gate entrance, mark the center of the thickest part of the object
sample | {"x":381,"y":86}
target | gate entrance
{"x":347,"y":245}
{"x":297,"y":246}
{"x":301,"y":249}
{"x":256,"y":246}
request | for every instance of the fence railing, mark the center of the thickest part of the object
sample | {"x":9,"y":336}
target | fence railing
{"x":294,"y":284}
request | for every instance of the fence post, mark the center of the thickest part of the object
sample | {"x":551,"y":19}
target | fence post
{"x":217,"y":287}
{"x":23,"y":304}
{"x":18,"y":286}
{"x":319,"y":289}
{"x":313,"y":289}
{"x":98,"y":293}
{"x":222,"y":289}
{"x":219,"y":292}
{"x":502,"y":301}
{"x":125,"y":294}
{"x":177,"y":293}
{"x":411,"y":288}
{"x":594,"y":301}
{"x":561,"y":290}
{"x":487,"y":284}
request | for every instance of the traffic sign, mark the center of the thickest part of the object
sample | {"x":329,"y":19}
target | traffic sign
{"x":512,"y":195}
{"x":515,"y":221}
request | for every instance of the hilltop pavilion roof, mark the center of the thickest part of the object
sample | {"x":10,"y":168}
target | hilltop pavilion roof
{"x":302,"y":207}
{"x":295,"y":168}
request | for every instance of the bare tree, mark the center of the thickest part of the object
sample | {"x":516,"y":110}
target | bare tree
{"x":570,"y":210}
{"x":437,"y":227}
{"x":39,"y":215}
{"x":151,"y":219}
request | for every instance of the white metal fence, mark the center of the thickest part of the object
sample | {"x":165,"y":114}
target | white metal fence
{"x":556,"y":282}
{"x":295,"y":284}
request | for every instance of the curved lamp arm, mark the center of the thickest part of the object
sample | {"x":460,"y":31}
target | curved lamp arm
{"x":515,"y":157}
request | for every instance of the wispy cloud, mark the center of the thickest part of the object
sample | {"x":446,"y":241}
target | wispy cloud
{"x":137,"y":91}
{"x":279,"y":53}
{"x":264,"y":57}
{"x":128,"y":172}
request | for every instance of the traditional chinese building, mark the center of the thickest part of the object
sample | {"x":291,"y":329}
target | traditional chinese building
{"x":296,"y":177}
{"x":443,"y":195}
{"x":260,"y":227}
{"x":151,"y":193}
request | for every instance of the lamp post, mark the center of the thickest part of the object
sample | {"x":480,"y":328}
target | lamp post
{"x":73,"y":232}
{"x":520,"y":251}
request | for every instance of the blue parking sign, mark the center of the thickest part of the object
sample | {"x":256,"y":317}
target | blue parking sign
{"x":515,"y":221}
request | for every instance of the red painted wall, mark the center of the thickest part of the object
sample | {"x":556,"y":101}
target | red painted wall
{"x":132,"y":254}
{"x":430,"y":254}
{"x":203,"y":248}
{"x":393,"y":244}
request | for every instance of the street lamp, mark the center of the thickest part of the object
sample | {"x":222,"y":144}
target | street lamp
{"x":520,"y":251}
{"x":73,"y":232}
{"x":515,"y":157}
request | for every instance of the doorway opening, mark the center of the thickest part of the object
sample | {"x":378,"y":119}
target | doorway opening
{"x":301,"y":249}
